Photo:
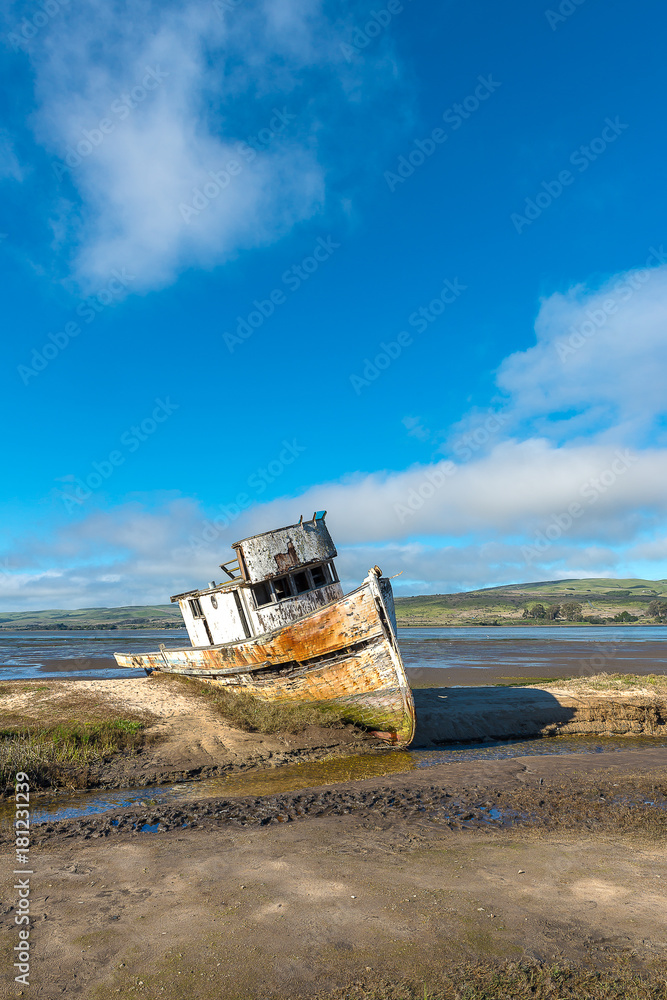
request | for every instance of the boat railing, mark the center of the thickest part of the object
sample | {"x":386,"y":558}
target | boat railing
{"x":232,"y":569}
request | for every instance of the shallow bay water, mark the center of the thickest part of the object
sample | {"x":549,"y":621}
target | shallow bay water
{"x":85,"y":653}
{"x":459,"y":655}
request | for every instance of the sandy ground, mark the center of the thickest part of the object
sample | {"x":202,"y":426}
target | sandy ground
{"x":187,"y":739}
{"x":237,"y":912}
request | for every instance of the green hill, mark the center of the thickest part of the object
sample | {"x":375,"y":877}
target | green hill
{"x":150,"y":616}
{"x":600,"y":599}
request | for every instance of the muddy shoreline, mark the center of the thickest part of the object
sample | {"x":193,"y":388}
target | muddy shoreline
{"x":186,"y":740}
{"x":626,"y":793}
{"x":332,"y":891}
{"x":392,"y":880}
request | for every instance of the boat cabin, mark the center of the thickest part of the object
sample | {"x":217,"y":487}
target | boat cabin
{"x":275,"y":577}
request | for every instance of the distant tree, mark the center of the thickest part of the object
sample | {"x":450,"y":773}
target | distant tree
{"x":572,"y":611}
{"x":625,"y":616}
{"x":538,"y":611}
{"x":553,"y":611}
{"x":658,"y":609}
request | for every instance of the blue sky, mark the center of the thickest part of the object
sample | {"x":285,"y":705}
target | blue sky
{"x":403,"y":262}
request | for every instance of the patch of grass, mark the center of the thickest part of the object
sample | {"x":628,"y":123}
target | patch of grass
{"x":46,"y":753}
{"x":8,"y":688}
{"x":612,"y":682}
{"x":524,"y":681}
{"x":254,"y":715}
{"x":518,"y":981}
{"x":58,"y":702}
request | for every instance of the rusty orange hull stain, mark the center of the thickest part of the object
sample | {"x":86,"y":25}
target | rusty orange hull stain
{"x":343,"y":654}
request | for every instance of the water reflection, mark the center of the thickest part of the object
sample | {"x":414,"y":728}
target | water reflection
{"x":295,"y":777}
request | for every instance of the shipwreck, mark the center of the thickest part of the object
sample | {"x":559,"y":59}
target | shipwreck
{"x":280,"y":628}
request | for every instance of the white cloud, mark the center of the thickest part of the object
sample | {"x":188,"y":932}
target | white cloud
{"x":600,"y":360}
{"x":216,"y":80}
{"x":9,"y":164}
{"x":473,"y":530}
{"x":513,"y":490}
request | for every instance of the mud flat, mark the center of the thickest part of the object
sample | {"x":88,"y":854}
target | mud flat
{"x":504,"y":656}
{"x":496,"y":873}
{"x":401,"y":881}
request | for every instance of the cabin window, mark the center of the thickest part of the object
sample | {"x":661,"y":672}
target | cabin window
{"x":319,"y":575}
{"x":282,"y":588}
{"x":301,"y":582}
{"x":262,"y":594}
{"x":214,"y":601}
{"x":195,"y":608}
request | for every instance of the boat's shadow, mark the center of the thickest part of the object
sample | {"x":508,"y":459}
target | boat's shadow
{"x":448,"y":715}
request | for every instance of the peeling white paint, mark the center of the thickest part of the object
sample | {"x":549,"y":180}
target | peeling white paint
{"x":272,"y":556}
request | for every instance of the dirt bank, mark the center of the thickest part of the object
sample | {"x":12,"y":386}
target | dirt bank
{"x":362,"y":890}
{"x":185,"y":737}
{"x":446,"y":715}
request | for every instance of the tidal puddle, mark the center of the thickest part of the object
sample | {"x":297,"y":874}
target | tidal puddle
{"x":294,"y":777}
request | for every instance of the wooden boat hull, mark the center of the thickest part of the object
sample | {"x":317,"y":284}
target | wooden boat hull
{"x":344,"y":654}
